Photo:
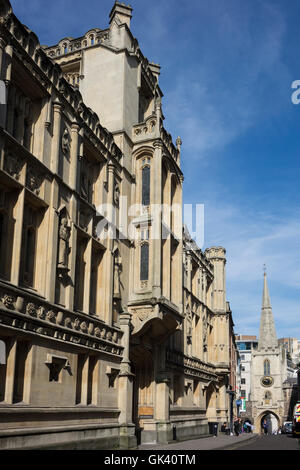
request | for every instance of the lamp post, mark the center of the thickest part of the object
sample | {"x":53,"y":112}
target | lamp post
{"x":231,"y":398}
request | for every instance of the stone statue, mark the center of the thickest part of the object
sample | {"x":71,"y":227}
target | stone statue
{"x":64,"y":236}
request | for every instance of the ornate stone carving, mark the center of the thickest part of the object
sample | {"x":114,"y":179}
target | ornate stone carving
{"x":13,"y":166}
{"x":8,"y":301}
{"x":76,"y":324}
{"x":41,"y":313}
{"x":97,"y":332}
{"x":33,"y":181}
{"x":109,"y":336}
{"x":103,"y":333}
{"x":31,"y":309}
{"x":91,"y":329}
{"x":68,"y":323}
{"x":66,"y":140}
{"x":51,"y":317}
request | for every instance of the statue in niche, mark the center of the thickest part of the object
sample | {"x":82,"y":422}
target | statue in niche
{"x":84,"y":186}
{"x":64,"y":236}
{"x":66,"y":142}
{"x":189,"y":320}
{"x":117,"y":274}
{"x":204,"y":333}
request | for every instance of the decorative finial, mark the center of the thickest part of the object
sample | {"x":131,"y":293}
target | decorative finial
{"x":178,"y":143}
{"x":265,"y":269}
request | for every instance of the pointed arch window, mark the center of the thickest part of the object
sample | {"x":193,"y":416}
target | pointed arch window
{"x":268,"y":398}
{"x":267,"y":369}
{"x":144,"y":262}
{"x":146,"y":181}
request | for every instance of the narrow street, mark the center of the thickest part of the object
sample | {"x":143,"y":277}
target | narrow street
{"x":280,"y":442}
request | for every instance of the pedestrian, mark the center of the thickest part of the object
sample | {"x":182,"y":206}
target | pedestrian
{"x":236,"y":426}
{"x":223,"y":427}
{"x":265,"y":426}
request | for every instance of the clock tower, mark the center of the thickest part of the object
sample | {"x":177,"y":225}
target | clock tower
{"x":268,"y":371}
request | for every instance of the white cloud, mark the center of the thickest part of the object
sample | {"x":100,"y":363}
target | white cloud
{"x":252,"y":240}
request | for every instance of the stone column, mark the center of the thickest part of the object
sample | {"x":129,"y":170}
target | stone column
{"x":162,"y":405}
{"x":74,"y":155}
{"x":87,"y":277}
{"x":156,"y":189}
{"x":3,"y":89}
{"x":125,"y":389}
{"x":52,"y":247}
{"x":166,"y":261}
{"x":56,"y":139}
{"x":109,"y":258}
{"x":18,"y":214}
{"x":70,"y":289}
{"x":2,"y":57}
{"x":10,"y":370}
{"x":85,"y":380}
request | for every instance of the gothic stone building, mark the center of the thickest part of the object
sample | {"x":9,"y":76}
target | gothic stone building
{"x":268,"y":371}
{"x":108,"y":336}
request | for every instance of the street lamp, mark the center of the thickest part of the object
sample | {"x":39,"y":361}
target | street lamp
{"x":231,"y":397}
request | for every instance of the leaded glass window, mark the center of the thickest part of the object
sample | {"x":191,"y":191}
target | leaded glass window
{"x":144,"y":268}
{"x":146,"y":185}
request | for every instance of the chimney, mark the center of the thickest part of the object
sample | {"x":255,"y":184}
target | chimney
{"x":122,"y":13}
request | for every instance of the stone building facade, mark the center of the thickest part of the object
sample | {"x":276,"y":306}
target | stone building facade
{"x":114,"y":326}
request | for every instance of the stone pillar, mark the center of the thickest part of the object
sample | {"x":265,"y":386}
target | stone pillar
{"x":85,"y":380}
{"x":2,"y":57}
{"x":109,"y":258}
{"x":10,"y":370}
{"x":74,"y":155}
{"x":87,"y":277}
{"x":156,"y":188}
{"x":52,"y":247}
{"x":162,"y":390}
{"x":56,"y":140}
{"x":3,"y":88}
{"x":70,"y":289}
{"x":125,"y":389}
{"x":18,"y":214}
{"x":166,"y":261}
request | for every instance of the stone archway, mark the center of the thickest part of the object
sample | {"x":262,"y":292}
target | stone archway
{"x":211,"y":402}
{"x":272,"y":420}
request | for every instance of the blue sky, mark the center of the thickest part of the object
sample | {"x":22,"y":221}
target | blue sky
{"x":227,"y":70}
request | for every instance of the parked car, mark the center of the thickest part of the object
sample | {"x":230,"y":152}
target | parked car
{"x":287,"y":427}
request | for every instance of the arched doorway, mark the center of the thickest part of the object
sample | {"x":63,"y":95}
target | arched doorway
{"x":143,"y":389}
{"x":211,"y":402}
{"x":271,"y":420}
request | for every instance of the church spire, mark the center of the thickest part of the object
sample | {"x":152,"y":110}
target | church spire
{"x":267,"y":334}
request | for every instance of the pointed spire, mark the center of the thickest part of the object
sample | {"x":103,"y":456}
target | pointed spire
{"x":266,"y":303}
{"x":267,"y":334}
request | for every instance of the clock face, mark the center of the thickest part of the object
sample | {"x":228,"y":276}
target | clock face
{"x":267,"y":381}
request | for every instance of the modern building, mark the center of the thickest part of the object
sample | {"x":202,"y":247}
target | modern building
{"x":114,"y":325}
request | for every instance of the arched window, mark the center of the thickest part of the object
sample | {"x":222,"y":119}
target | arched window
{"x":65,"y":48}
{"x":268,"y":398}
{"x":146,"y":181}
{"x":267,"y":370}
{"x":92,"y":40}
{"x":144,"y":264}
